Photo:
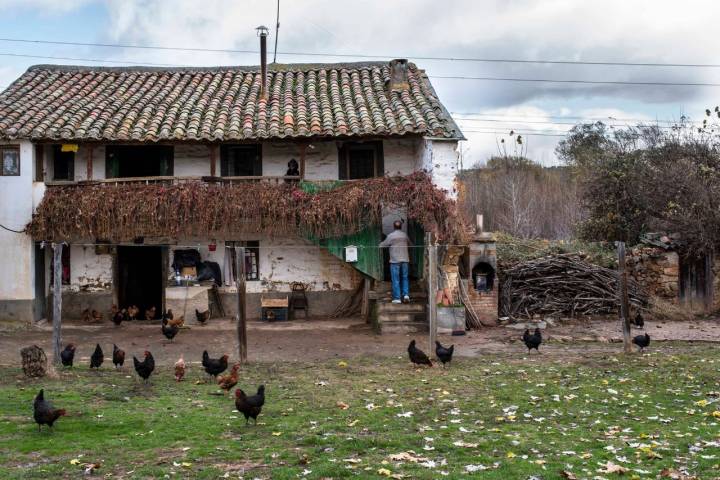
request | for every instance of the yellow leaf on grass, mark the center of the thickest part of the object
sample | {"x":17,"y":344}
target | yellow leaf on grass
{"x":74,"y":461}
{"x":353,"y":423}
{"x":342,"y":405}
{"x":701,"y":403}
{"x":342,"y":364}
{"x":384,"y":472}
{"x":715,"y":414}
{"x":186,"y":464}
{"x":510,"y":455}
{"x":276,"y":434}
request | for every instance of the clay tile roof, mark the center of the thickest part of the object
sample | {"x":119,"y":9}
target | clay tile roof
{"x":54,"y":102}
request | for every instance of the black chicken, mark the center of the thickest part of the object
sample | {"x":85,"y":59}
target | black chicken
{"x":119,"y":317}
{"x":44,"y":413}
{"x":118,"y":356}
{"x":642,"y":341}
{"x":169,"y":330}
{"x":97,"y":357}
{"x":417,"y":356}
{"x":532,"y":341}
{"x":68,"y":355}
{"x":214,"y":366}
{"x":202,"y":317}
{"x":444,"y":354}
{"x":145,"y":368}
{"x":639,"y":321}
{"x":250,"y":406}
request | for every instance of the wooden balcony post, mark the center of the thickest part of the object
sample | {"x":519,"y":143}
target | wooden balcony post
{"x":213,"y":159}
{"x":303,"y":151}
{"x":90,"y":163}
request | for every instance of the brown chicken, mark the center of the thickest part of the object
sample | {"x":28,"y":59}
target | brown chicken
{"x":150,"y":313}
{"x":227,"y":382}
{"x":179,"y":369}
{"x":177,"y":322}
{"x":90,"y":316}
{"x":133,"y":311}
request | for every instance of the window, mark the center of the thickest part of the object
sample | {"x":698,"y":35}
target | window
{"x":63,"y":164}
{"x":241,"y":161}
{"x":361,"y":160}
{"x":10,"y":161}
{"x":65,"y":266}
{"x":252,"y":258}
{"x":124,"y":161}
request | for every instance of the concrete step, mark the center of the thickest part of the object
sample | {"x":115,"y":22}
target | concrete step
{"x":402,"y":317}
{"x":403,"y":327}
{"x":394,"y":308}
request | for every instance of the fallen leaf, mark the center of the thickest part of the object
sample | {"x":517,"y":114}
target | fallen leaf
{"x":568,"y":475}
{"x":611,"y":467}
{"x":384,"y":472}
{"x":276,"y":434}
{"x":342,"y":405}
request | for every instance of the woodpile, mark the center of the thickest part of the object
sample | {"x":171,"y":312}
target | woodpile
{"x":563,"y":285}
{"x":34,"y":361}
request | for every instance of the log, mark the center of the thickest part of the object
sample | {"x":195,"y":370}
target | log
{"x":34,"y":361}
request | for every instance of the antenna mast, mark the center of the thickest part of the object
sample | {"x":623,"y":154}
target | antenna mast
{"x":277,"y":29}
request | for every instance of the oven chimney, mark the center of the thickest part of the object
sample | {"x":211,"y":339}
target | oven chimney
{"x":262,"y":32}
{"x":399,"y":74}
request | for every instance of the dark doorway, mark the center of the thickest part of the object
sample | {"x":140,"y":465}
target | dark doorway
{"x":696,"y":279}
{"x":140,"y":278}
{"x":40,"y":306}
{"x":126,"y":161}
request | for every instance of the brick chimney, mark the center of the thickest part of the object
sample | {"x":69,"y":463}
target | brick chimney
{"x":399,"y":74}
{"x":262,"y":32}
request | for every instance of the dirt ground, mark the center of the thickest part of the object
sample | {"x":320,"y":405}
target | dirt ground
{"x":309,"y":340}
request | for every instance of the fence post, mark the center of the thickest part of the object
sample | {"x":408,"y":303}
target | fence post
{"x":432,"y":291}
{"x":623,"y":297}
{"x":57,"y":301}
{"x":241,"y":319}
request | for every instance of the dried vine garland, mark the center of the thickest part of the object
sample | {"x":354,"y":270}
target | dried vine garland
{"x":563,"y":285}
{"x":125,"y":211}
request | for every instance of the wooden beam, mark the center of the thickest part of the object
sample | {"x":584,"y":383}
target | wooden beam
{"x":57,"y":301}
{"x":623,"y":297}
{"x":39,"y":162}
{"x":242,"y":314}
{"x":303,"y":152}
{"x":432,"y":290}
{"x":90,"y":162}
{"x":213,"y":159}
{"x":365,"y":306}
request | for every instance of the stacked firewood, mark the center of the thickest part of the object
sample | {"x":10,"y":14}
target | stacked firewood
{"x":563,"y":285}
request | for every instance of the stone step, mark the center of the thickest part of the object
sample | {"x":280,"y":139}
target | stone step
{"x":402,"y":317}
{"x":393,"y":308}
{"x":403,"y":327}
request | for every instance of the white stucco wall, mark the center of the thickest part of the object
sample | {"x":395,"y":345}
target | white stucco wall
{"x":89,"y":271}
{"x":439,"y":158}
{"x":16,"y":250}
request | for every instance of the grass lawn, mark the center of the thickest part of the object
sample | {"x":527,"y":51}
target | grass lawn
{"x":494,"y":417}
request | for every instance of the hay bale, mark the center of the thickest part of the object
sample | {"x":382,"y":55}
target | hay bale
{"x":34,"y":361}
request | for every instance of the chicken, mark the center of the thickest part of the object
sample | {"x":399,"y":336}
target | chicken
{"x":169,"y":330}
{"x":96,"y":359}
{"x":97,"y":316}
{"x":214,"y":366}
{"x":176,"y":322}
{"x":417,"y":356}
{"x":114,"y":310}
{"x":179,"y":369}
{"x":133,"y":312}
{"x":250,"y":406}
{"x":150,"y":313}
{"x":202,"y":317}
{"x":642,"y":341}
{"x":86,"y":316}
{"x":168,"y":314}
{"x":118,"y":356}
{"x":532,"y":341}
{"x":146,"y":367}
{"x":119,"y":317}
{"x":44,"y":413}
{"x":68,"y":355}
{"x":227,"y":382}
{"x":444,"y":354}
{"x":639,"y":321}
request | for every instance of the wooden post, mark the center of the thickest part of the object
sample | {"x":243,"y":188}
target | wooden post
{"x":57,"y":301}
{"x":365,"y":306}
{"x":213,"y":159}
{"x":90,"y":163}
{"x":623,"y":297}
{"x":432,"y":291}
{"x":303,"y":152}
{"x":241,"y":321}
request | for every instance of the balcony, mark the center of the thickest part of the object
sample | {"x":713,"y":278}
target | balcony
{"x":171,"y":180}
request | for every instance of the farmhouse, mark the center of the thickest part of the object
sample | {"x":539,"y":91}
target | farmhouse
{"x":128,"y":166}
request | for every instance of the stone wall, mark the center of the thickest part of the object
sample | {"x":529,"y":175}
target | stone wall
{"x":656,"y":270}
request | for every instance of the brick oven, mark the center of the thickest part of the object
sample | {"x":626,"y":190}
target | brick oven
{"x":481,"y":277}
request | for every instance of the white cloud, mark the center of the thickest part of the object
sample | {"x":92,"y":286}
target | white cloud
{"x":42,"y":6}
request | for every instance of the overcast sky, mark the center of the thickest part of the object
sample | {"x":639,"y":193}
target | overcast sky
{"x":637,"y":31}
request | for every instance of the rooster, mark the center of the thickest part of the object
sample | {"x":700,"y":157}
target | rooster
{"x":169,"y":330}
{"x":532,"y":341}
{"x":176,"y":322}
{"x":133,"y":312}
{"x":119,"y":316}
{"x":96,"y":359}
{"x":145,"y":368}
{"x":227,"y":382}
{"x":179,"y":369}
{"x":168,"y":314}
{"x":417,"y":356}
{"x":250,"y":406}
{"x":68,"y":355}
{"x":44,"y":413}
{"x":642,"y":341}
{"x":214,"y":366}
{"x":202,"y":317}
{"x":118,"y":356}
{"x":444,"y":354}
